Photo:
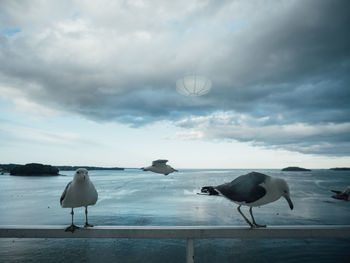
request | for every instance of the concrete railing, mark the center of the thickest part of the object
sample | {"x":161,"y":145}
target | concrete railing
{"x":179,"y":232}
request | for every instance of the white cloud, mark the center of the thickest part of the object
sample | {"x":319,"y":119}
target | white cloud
{"x":42,"y":136}
{"x":25,"y":105}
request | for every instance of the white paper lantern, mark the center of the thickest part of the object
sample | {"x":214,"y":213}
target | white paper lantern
{"x":193,"y":85}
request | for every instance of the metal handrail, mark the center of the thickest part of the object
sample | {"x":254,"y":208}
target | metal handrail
{"x":178,"y":232}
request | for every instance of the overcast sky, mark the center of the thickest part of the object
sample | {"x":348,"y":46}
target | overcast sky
{"x":94,"y":83}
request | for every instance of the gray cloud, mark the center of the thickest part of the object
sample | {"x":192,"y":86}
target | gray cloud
{"x":326,"y":139}
{"x":285,"y":60}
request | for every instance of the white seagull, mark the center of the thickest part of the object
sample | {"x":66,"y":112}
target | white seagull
{"x":159,"y":166}
{"x":252,"y":189}
{"x":79,"y":192}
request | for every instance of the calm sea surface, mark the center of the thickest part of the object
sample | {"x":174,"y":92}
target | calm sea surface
{"x":134,"y":197}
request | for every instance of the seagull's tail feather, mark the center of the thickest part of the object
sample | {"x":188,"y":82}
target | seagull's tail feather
{"x":340,"y":197}
{"x":209,"y":190}
{"x":335,"y":191}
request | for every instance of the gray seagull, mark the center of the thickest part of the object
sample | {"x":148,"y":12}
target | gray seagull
{"x":252,"y":189}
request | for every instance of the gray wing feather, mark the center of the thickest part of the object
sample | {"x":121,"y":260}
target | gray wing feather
{"x":244,"y":188}
{"x":64,"y":192}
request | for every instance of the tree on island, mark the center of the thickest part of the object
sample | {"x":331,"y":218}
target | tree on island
{"x":6,"y":168}
{"x":34,"y":169}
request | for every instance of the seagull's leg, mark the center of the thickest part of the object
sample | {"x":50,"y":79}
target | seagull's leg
{"x":246,"y":219}
{"x":72,"y":227}
{"x":254,"y":223}
{"x":86,"y":222}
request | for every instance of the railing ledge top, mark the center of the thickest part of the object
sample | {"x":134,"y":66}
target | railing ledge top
{"x":294,"y":231}
{"x":197,"y":227}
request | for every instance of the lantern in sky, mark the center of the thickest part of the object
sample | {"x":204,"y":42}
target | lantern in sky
{"x":193,"y":85}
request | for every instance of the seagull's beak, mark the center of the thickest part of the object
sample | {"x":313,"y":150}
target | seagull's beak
{"x":289,"y":201}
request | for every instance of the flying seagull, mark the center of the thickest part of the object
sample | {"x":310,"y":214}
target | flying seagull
{"x":79,"y":192}
{"x":342,"y":195}
{"x":159,"y":166}
{"x":252,"y":189}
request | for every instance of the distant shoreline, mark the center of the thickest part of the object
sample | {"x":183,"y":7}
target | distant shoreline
{"x":340,"y":169}
{"x":6,"y":168}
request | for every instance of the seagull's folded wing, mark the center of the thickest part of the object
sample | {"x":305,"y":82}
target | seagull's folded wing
{"x":64,"y":193}
{"x":245,"y":188}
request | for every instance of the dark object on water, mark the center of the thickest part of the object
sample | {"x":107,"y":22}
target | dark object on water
{"x":295,"y":169}
{"x":253,"y":189}
{"x":34,"y":169}
{"x":342,"y":195}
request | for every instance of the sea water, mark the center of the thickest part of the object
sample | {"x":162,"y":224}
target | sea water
{"x":134,"y":197}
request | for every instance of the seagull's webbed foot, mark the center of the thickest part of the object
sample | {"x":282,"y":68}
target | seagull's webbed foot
{"x":88,"y":225}
{"x":255,"y":225}
{"x":250,"y":224}
{"x":71,"y":228}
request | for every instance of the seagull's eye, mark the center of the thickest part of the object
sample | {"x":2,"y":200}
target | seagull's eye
{"x":285,"y":191}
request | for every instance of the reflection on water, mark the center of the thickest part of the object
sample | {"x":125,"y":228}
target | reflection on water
{"x":133,"y":197}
